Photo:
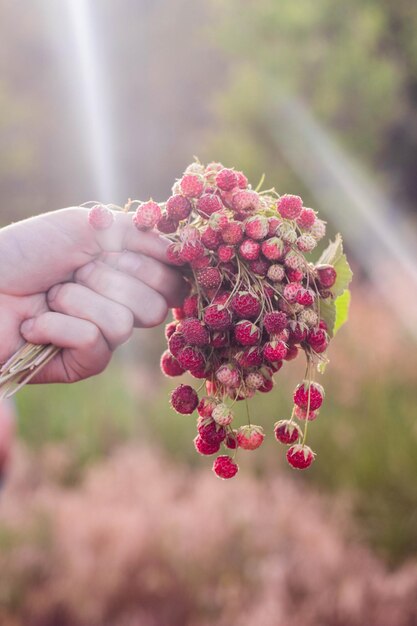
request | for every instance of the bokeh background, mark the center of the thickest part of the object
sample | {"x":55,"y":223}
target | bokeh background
{"x":107,"y":515}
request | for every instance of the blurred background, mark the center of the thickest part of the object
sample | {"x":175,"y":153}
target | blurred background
{"x":107,"y":515}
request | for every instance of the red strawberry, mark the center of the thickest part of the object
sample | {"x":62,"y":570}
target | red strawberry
{"x":301,"y":414}
{"x":306,"y":218}
{"x":286,"y":431}
{"x":316,"y":395}
{"x":208,"y":203}
{"x":290,"y":292}
{"x":300,"y":457}
{"x":242,"y":181}
{"x":192,"y":185}
{"x":326,"y":275}
{"x":190,"y":306}
{"x":250,"y":357}
{"x":147,"y":215}
{"x":225,"y":253}
{"x":275,"y":322}
{"x":231,"y":440}
{"x":249,"y":249}
{"x":210,"y":431}
{"x":170,"y":365}
{"x":275,"y":351}
{"x":190,"y":358}
{"x":211,"y":238}
{"x":217,"y":317}
{"x":250,"y":437}
{"x":257,"y":227}
{"x":100,"y":217}
{"x":176,"y":343}
{"x":227,"y":179}
{"x":173,"y":255}
{"x":178,"y":207}
{"x":232,"y":233}
{"x":295,"y":276}
{"x":191,"y":250}
{"x":246,"y":333}
{"x":219,"y":339}
{"x":195,"y":334}
{"x":260,"y":268}
{"x":273,"y":248}
{"x":224,"y":467}
{"x":246,"y":305}
{"x":166,"y":224}
{"x":289,"y":206}
{"x":205,"y":448}
{"x":184,"y":399}
{"x":170,"y":329}
{"x":209,"y":278}
{"x":246,"y":201}
{"x":206,"y":406}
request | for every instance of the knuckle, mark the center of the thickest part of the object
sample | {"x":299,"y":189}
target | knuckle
{"x":91,"y":337}
{"x":122,"y":326}
{"x":60,"y":297}
{"x":156,"y":312}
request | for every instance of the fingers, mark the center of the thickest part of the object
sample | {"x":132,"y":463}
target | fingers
{"x":148,"y":306}
{"x":164,"y":279}
{"x":114,"y":320}
{"x":85,"y":353}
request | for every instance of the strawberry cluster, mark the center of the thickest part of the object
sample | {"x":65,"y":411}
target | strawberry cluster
{"x":254,"y":304}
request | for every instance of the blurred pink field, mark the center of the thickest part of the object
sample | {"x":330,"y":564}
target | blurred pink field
{"x":144,"y":542}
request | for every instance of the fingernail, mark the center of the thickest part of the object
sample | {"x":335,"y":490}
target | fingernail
{"x":27,"y":325}
{"x":84,"y":272}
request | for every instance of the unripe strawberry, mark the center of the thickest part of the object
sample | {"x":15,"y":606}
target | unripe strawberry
{"x":300,"y":457}
{"x":224,"y":467}
{"x":147,"y":215}
{"x":225,"y":253}
{"x":254,"y":380}
{"x":306,"y":243}
{"x":318,"y":229}
{"x":273,"y":248}
{"x":290,"y":292}
{"x":306,"y":218}
{"x":308,"y":317}
{"x":228,"y":376}
{"x":287,"y":432}
{"x":206,"y":406}
{"x":250,"y":437}
{"x":256,"y":227}
{"x":276,"y":273}
{"x":184,"y":399}
{"x":205,"y":448}
{"x":208,"y":204}
{"x":170,"y":365}
{"x":249,"y":249}
{"x":192,"y":185}
{"x":100,"y":217}
{"x":246,"y":333}
{"x":301,"y":414}
{"x":289,"y":206}
{"x":246,"y":201}
{"x":306,"y":390}
{"x":178,"y":207}
{"x":222,"y":414}
{"x":326,"y":275}
{"x":275,"y":351}
{"x":287,"y":233}
{"x":211,"y":170}
{"x":227,"y":179}
{"x":294,"y":260}
{"x":218,"y":221}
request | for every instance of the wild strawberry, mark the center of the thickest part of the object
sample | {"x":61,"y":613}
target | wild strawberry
{"x":326,"y":275}
{"x":273,"y":248}
{"x":170,"y":329}
{"x":301,"y":414}
{"x":246,"y":333}
{"x":166,"y":225}
{"x":194,"y":332}
{"x":219,"y":339}
{"x":250,"y":437}
{"x":208,"y":203}
{"x":218,"y":221}
{"x":190,"y":358}
{"x":246,"y":305}
{"x":173,"y":255}
{"x":232,"y":233}
{"x":211,"y":238}
{"x":306,"y":218}
{"x":273,"y":224}
{"x":254,"y":380}
{"x":100,"y":217}
{"x":298,"y":331}
{"x":323,"y":325}
{"x":191,"y":250}
{"x":282,"y":335}
{"x":201,"y":262}
{"x":260,"y":268}
{"x":275,"y":322}
{"x":170,"y":365}
{"x":306,"y":243}
{"x":200,"y":372}
{"x":318,"y":229}
{"x":308,"y":317}
{"x":210,"y":431}
{"x":250,"y":357}
{"x":289,"y":206}
{"x":147,"y":215}
{"x":176,"y":343}
{"x":206,"y":406}
{"x":192,"y":185}
{"x":306,"y":389}
{"x":294,"y":260}
{"x":178,"y":207}
{"x":276,"y":273}
{"x":178,"y":313}
{"x":222,"y":415}
{"x":231,"y":440}
{"x":228,"y":376}
{"x":246,"y":201}
{"x":249,"y":249}
{"x":292,"y":353}
{"x":211,"y":170}
{"x":287,"y":432}
{"x":275,"y":351}
{"x":290,"y":292}
{"x":217,"y":317}
{"x":225,"y":253}
{"x":242,"y":181}
{"x":287,"y":233}
{"x":190,"y":306}
{"x":317,"y":337}
{"x":305,"y":296}
{"x":300,"y":457}
{"x":227,"y":179}
{"x":256,"y":227}
{"x":209,"y":278}
{"x":294,"y":276}
{"x":267,"y":386}
{"x":205,"y":448}
{"x":184,"y":399}
{"x":224,"y":467}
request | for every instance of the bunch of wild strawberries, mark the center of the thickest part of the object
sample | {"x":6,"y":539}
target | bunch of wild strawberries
{"x":254,"y":304}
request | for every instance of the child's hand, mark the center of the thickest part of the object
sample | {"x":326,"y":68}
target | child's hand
{"x":84,"y":291}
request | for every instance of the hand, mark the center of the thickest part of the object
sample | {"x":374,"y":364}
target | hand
{"x":82,"y":290}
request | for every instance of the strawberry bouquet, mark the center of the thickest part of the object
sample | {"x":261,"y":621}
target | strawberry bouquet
{"x":256,"y":301}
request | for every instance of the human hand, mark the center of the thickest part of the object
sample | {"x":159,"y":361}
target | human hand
{"x":81,"y":290}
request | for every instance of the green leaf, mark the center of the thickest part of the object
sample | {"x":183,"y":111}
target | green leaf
{"x":342,"y":304}
{"x":344,"y":276}
{"x":333,"y":252}
{"x":328,"y":314}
